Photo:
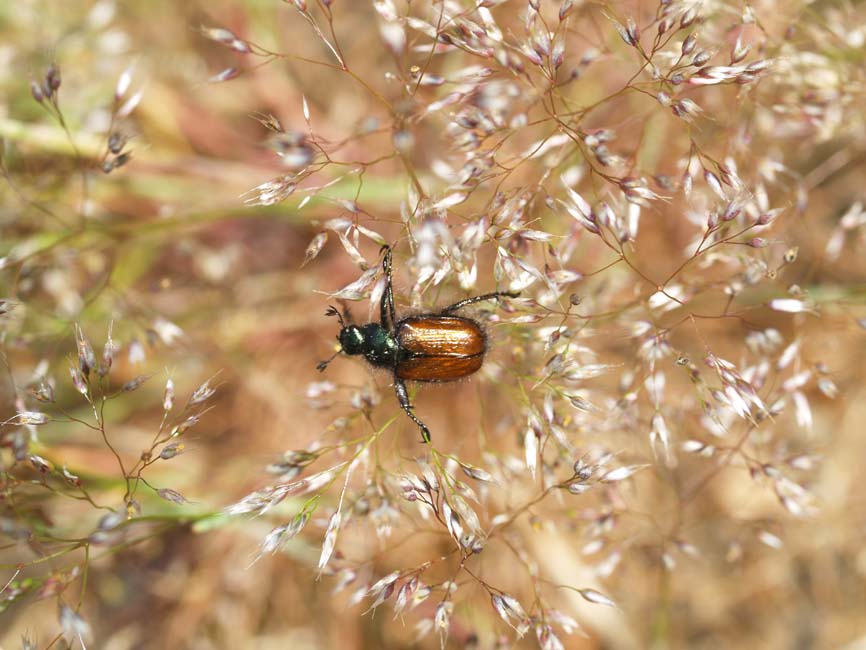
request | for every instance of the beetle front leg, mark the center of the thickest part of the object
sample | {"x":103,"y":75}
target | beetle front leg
{"x":386,"y":306}
{"x":403,"y":397}
{"x":450,"y":309}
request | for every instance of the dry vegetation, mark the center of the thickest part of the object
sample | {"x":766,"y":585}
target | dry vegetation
{"x":663,"y":448}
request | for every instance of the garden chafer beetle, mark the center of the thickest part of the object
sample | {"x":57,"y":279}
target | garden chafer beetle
{"x":434,"y":347}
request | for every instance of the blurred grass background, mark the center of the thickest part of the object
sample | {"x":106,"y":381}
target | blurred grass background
{"x":168,"y":238}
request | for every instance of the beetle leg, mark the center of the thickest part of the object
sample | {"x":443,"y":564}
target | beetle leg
{"x":471,"y":301}
{"x":386,"y":306}
{"x":403,"y":397}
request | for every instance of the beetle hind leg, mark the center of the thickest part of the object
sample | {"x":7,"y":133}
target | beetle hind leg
{"x":450,"y":309}
{"x":403,"y":397}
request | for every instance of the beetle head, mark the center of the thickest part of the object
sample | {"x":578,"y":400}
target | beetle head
{"x":352,"y":339}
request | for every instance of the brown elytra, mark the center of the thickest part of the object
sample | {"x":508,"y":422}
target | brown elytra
{"x":439,"y":348}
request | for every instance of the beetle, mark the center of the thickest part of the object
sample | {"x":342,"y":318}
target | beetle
{"x":434,"y":347}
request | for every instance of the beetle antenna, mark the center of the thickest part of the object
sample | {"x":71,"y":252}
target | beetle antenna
{"x":347,"y":315}
{"x":324,"y":364}
{"x":332,"y":311}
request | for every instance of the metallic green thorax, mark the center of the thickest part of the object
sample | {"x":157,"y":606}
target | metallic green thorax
{"x":373,"y":341}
